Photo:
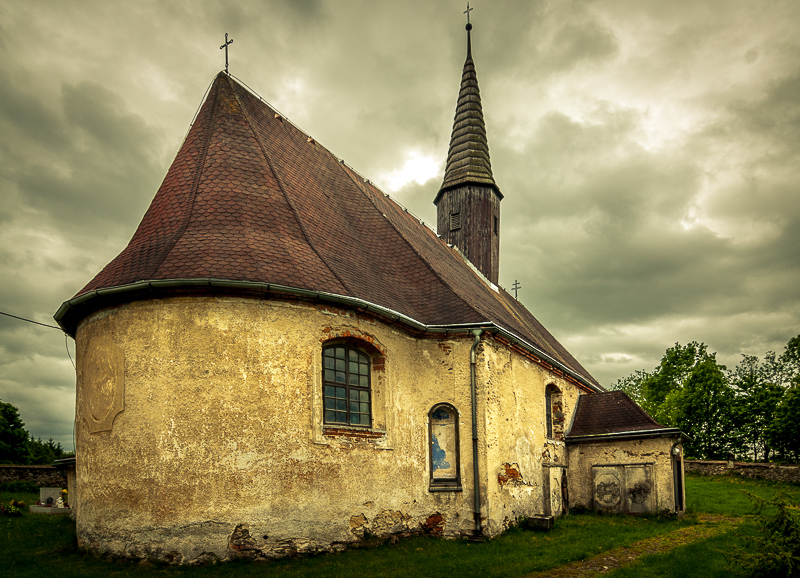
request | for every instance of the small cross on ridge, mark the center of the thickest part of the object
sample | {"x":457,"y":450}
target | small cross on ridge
{"x":516,"y":287}
{"x":225,"y":46}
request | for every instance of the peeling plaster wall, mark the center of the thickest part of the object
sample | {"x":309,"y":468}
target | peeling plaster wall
{"x":523,"y":468}
{"x":199,"y":432}
{"x":613,"y":453}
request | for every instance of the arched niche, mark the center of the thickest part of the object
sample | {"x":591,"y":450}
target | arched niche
{"x":443,"y":448}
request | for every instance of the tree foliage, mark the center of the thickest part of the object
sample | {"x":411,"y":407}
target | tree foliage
{"x":750,"y":411}
{"x":785,"y":429}
{"x":776,"y":551}
{"x":16,"y":445}
{"x":14,"y":448}
{"x":45,"y":452}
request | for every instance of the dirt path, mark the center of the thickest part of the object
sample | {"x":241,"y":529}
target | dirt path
{"x":710,"y":525}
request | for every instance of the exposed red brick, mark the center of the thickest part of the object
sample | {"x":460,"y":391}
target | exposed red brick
{"x":434,"y":524}
{"x":355,"y":435}
{"x":510,"y":474}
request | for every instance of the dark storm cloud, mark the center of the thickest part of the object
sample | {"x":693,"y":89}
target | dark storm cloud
{"x":84,"y":151}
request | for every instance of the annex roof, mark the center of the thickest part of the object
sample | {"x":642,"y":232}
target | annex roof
{"x":612,"y":413}
{"x":251,"y":201}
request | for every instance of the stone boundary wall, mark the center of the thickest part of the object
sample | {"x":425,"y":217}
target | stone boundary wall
{"x":748,"y":470}
{"x":39,"y":475}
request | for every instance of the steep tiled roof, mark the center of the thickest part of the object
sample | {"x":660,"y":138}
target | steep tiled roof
{"x":611,"y":412}
{"x":251,"y":198}
{"x":468,"y":157}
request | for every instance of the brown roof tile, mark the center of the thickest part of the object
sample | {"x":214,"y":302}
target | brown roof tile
{"x":250,"y":197}
{"x":610,"y":412}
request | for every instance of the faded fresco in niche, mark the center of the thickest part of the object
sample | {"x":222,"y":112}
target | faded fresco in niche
{"x":103,"y":370}
{"x":607,"y":489}
{"x":639,"y":488}
{"x":624,"y":488}
{"x":444,"y":444}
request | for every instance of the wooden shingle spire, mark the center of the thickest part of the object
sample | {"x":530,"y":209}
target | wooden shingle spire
{"x":468,"y":202}
{"x":468,"y":157}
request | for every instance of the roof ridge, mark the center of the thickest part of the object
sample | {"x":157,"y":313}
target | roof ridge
{"x":279,"y":180}
{"x":198,"y":172}
{"x":640,"y":408}
{"x":407,"y":242}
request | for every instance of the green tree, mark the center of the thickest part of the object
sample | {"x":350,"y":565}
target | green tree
{"x":790,"y":362}
{"x":784,"y":431}
{"x":632,"y":385}
{"x":702,"y":409}
{"x":688,"y":390}
{"x":14,"y":447}
{"x":45,"y":452}
{"x":669,"y":377}
{"x":757,"y":398}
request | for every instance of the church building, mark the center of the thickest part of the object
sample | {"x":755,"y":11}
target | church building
{"x":284,"y":360}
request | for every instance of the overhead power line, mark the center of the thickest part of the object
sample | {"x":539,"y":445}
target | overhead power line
{"x":30,"y":320}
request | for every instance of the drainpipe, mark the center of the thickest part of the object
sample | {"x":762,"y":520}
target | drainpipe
{"x":476,"y":481}
{"x":677,"y":476}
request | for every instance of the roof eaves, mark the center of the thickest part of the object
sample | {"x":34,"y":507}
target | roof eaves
{"x":465,"y":183}
{"x":65,"y":320}
{"x":630,"y":434}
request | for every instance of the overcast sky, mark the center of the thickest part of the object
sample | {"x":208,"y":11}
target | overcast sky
{"x":648,"y":153}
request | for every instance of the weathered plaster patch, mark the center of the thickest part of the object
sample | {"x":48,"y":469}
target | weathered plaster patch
{"x":387,"y":522}
{"x":510,"y":475}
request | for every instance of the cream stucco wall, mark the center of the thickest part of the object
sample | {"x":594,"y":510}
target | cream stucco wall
{"x":199,"y":431}
{"x":523,"y":466}
{"x":654,"y":452}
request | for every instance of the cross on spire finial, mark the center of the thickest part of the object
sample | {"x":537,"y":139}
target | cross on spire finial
{"x":467,"y":11}
{"x":469,"y":28}
{"x":225,"y":46}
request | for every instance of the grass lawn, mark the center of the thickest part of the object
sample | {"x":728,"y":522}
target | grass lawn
{"x":40,"y":545}
{"x":711,"y":558}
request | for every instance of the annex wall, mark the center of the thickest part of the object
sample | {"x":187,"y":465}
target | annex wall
{"x":624,"y":476}
{"x":199,"y":431}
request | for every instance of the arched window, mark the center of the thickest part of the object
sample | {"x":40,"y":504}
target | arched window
{"x":345,"y":378}
{"x":554,"y":415}
{"x":443,"y":448}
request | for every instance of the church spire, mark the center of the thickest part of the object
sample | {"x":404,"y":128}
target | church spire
{"x":468,"y":202}
{"x":468,"y":158}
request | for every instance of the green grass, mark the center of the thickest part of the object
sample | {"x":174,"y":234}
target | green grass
{"x":726,"y":494}
{"x":38,"y":545}
{"x":711,"y":558}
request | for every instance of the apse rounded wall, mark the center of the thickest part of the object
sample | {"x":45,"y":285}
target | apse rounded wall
{"x":201,"y":432}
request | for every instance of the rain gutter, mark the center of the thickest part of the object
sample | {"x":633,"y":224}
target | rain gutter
{"x":647,"y":433}
{"x":72,"y":311}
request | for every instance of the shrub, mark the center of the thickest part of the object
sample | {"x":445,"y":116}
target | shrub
{"x":12,"y":509}
{"x":777,"y":549}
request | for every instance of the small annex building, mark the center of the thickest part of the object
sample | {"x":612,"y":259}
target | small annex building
{"x":284,"y":360}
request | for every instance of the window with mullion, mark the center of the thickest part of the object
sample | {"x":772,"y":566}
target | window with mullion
{"x":345,"y":378}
